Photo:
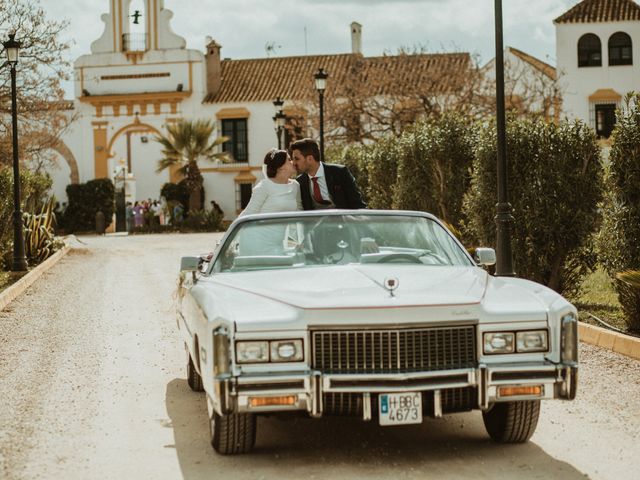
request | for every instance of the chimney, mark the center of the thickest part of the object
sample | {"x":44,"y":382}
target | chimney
{"x":356,"y":38}
{"x":213,"y":66}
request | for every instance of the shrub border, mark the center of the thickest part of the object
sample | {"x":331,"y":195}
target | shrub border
{"x":617,"y":342}
{"x":13,"y":291}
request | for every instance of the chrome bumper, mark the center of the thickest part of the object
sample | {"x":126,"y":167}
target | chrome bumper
{"x":234,"y":393}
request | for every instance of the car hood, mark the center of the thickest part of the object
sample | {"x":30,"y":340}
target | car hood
{"x":358,"y":286}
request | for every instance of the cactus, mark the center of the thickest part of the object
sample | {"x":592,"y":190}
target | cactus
{"x":39,"y":240}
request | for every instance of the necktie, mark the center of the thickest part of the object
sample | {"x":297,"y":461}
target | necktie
{"x":317,"y":196}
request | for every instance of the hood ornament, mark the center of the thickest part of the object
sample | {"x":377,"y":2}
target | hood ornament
{"x":391,"y":283}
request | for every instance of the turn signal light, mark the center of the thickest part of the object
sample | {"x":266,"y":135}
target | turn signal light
{"x":514,"y":391}
{"x":273,"y":401}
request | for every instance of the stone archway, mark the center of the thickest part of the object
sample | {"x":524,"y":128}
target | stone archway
{"x":64,"y":151}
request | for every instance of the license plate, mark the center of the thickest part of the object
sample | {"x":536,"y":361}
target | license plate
{"x":400,"y":408}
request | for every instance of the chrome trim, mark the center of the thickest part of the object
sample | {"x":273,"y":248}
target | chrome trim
{"x":366,"y":406}
{"x":437,"y":404}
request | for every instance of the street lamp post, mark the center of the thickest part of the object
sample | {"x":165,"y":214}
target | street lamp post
{"x":503,"y":218}
{"x":279,"y":119}
{"x":19,"y":264}
{"x":321,"y":84}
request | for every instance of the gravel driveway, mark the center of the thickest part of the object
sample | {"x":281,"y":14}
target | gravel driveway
{"x":92,"y":387}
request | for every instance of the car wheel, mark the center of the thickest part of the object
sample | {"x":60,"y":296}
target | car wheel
{"x":512,"y":422}
{"x":233,"y":434}
{"x":193,"y":377}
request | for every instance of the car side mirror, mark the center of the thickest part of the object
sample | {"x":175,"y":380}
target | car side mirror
{"x":189,"y":264}
{"x":485,"y":256}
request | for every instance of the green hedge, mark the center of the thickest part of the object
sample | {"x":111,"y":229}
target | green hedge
{"x":619,"y":238}
{"x":434,"y":167}
{"x":85,"y":200}
{"x":555,"y":184}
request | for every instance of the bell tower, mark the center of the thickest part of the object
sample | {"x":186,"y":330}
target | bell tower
{"x":136,"y":27}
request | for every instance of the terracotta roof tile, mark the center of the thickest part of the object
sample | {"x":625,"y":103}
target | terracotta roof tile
{"x":544,"y":67}
{"x":291,"y":78}
{"x":601,"y":11}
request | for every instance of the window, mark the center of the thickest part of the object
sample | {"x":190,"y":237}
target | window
{"x":605,"y":119}
{"x":589,"y":51}
{"x":620,"y":49}
{"x":236,"y":130}
{"x":243,"y":195}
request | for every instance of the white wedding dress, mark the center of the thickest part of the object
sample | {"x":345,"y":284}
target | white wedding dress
{"x":268,"y":197}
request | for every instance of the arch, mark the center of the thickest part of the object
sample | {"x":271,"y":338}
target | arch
{"x":64,"y":151}
{"x":620,"y":49}
{"x":136,"y":126}
{"x":589,"y":51}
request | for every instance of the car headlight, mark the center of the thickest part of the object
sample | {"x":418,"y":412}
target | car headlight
{"x":532,"y":341}
{"x":286,"y":351}
{"x":569,"y":338}
{"x":252,"y":352}
{"x":499,"y":342}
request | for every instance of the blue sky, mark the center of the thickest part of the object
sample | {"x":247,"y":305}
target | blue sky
{"x":244,"y":27}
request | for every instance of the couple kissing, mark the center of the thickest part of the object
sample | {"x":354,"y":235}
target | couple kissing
{"x":318,"y":185}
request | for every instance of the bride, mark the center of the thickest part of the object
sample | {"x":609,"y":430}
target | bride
{"x":277,"y":192}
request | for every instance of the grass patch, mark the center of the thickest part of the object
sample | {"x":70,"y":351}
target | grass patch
{"x":598,"y":297}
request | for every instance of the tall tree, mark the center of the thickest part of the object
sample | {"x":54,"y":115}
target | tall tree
{"x":185,"y":144}
{"x":42,"y":67}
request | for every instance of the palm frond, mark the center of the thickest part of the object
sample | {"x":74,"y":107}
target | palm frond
{"x":630,"y":277}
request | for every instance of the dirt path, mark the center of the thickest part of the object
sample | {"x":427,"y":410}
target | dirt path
{"x":92,"y":387}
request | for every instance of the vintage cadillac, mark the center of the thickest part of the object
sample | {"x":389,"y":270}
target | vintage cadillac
{"x":378,"y":314}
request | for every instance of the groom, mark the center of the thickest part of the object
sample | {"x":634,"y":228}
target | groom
{"x":323,"y":185}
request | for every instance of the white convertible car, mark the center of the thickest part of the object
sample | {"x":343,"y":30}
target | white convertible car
{"x":381,"y":315}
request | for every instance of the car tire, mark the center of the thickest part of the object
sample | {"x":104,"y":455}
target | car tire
{"x":193,"y":377}
{"x":512,"y":422}
{"x":233,"y":434}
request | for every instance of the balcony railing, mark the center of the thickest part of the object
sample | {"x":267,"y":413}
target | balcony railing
{"x":134,"y":42}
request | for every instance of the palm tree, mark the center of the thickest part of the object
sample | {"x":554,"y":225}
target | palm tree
{"x":187,"y":142}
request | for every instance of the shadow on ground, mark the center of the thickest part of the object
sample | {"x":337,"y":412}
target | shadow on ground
{"x":453,"y":447}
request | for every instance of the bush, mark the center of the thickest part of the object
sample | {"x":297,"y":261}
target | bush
{"x":34,"y":190}
{"x":355,"y":159}
{"x":434,"y":166}
{"x":381,"y":162}
{"x":619,"y":238}
{"x":176,"y":192}
{"x":85,"y":200}
{"x":555,"y":184}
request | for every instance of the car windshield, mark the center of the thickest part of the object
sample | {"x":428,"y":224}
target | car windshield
{"x":312,"y":241}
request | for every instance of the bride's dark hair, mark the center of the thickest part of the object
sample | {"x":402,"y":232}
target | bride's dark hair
{"x":274,"y":160}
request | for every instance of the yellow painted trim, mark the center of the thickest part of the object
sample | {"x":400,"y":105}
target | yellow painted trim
{"x":244,"y":176}
{"x":604,"y":94}
{"x":113,"y":23}
{"x":100,"y":153}
{"x":190,"y":76}
{"x":135,"y":97}
{"x":155,"y":23}
{"x":148,"y":13}
{"x":120,"y":24}
{"x":229,"y":169}
{"x":238,"y":112}
{"x":99,"y":123}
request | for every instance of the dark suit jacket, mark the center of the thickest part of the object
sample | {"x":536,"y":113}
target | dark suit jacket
{"x":342,"y":188}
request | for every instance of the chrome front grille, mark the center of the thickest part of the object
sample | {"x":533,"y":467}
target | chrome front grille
{"x":394,"y":350}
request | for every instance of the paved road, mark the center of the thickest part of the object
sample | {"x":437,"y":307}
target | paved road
{"x":92,"y":387}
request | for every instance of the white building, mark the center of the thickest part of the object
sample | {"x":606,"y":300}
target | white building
{"x":140,"y":77}
{"x":596,"y":59}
